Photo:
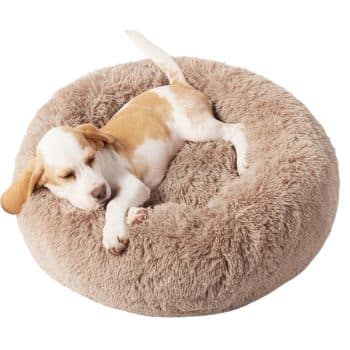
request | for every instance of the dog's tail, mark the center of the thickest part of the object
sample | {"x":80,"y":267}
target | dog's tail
{"x":159,"y":57}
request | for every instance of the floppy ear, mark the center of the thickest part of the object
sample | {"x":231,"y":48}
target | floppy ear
{"x":22,"y":187}
{"x":97,"y":137}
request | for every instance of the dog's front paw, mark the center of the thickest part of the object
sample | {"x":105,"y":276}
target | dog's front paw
{"x":120,"y":247}
{"x":114,"y":243}
{"x":136,"y":215}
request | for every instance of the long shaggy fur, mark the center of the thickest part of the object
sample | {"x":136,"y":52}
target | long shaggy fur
{"x":186,"y":259}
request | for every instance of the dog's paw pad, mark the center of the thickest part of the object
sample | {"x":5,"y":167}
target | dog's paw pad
{"x":119,"y":248}
{"x":136,"y":215}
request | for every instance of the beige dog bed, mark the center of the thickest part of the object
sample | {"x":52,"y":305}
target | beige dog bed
{"x":259,"y":231}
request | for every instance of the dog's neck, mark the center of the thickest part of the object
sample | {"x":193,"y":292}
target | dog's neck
{"x":113,"y":165}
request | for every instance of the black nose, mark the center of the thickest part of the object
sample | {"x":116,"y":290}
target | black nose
{"x":99,"y":192}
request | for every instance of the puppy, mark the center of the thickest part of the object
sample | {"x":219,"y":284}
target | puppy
{"x":129,"y":155}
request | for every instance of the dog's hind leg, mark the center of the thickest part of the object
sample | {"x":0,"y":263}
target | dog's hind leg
{"x":208,"y":129}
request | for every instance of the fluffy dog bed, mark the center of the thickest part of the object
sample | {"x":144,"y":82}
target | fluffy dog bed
{"x":259,"y":231}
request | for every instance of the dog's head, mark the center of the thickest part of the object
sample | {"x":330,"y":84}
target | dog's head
{"x":67,"y":163}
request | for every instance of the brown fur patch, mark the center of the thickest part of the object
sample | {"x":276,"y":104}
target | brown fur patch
{"x":22,"y":186}
{"x":196,"y":103}
{"x":84,"y":139}
{"x":146,"y":116}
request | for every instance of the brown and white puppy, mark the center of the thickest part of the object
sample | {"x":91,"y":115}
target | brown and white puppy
{"x":131,"y":153}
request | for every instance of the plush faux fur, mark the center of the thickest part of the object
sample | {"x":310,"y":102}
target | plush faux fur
{"x":187,"y":259}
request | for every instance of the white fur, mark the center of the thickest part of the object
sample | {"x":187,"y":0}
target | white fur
{"x":158,"y":56}
{"x":136,"y":214}
{"x":132,"y":193}
{"x":60,"y":150}
{"x":156,"y":154}
{"x":204,"y":127}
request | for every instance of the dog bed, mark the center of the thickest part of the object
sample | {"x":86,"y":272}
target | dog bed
{"x":213,"y":241}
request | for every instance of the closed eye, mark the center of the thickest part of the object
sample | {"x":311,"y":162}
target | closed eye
{"x":90,"y":161}
{"x":68,"y":176}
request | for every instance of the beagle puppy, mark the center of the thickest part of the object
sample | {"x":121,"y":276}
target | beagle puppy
{"x":128,"y":156}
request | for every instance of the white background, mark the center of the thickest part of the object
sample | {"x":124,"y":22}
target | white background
{"x":302,"y":46}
